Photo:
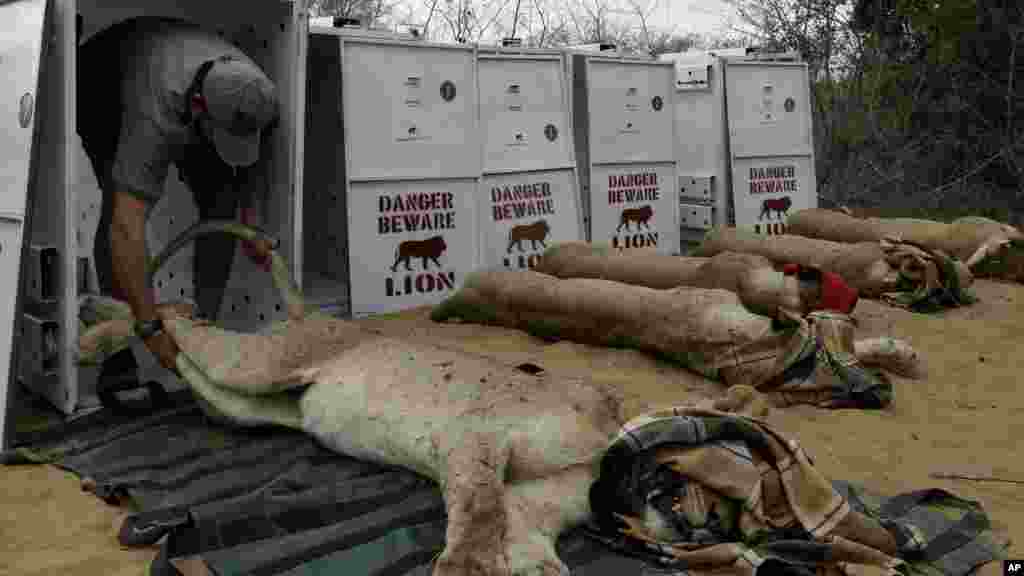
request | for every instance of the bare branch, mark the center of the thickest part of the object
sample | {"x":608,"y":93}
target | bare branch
{"x":493,"y":19}
{"x":642,"y":15}
{"x":430,"y":15}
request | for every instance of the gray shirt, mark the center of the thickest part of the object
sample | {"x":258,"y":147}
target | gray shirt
{"x":159,"y":61}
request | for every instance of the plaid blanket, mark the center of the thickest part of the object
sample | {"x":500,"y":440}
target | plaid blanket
{"x":820,"y":369}
{"x":701,"y":491}
{"x":923,"y":288}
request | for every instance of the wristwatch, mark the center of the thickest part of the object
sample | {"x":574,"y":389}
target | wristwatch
{"x":146,"y":329}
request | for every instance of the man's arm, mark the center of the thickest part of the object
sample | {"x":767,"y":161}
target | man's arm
{"x":128,"y":250}
{"x":139,"y":171}
{"x":129,"y":254}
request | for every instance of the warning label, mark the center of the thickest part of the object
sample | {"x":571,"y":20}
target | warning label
{"x":629,"y":188}
{"x":633,"y":198}
{"x":527,"y":213}
{"x":773,"y":179}
{"x":521,"y":201}
{"x":635,"y":207}
{"x":415,"y":212}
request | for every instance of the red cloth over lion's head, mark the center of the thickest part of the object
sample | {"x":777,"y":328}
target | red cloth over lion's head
{"x":836,"y":294}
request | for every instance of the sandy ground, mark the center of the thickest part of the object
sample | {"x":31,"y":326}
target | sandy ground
{"x":964,"y":418}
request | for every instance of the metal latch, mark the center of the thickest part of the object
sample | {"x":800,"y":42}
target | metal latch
{"x":40,"y":353}
{"x":695,"y":216}
{"x":697,"y":189}
{"x":43,"y":274}
{"x":692,"y":77}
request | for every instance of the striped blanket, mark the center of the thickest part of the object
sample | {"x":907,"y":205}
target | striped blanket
{"x":701,"y":492}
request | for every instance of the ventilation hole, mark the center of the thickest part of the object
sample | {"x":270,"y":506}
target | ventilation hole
{"x":262,"y":317}
{"x":282,"y":27}
{"x":266,"y":44}
{"x":530,"y":368}
{"x":172,"y":221}
{"x":234,"y":308}
{"x":181,"y":292}
{"x":252,"y":29}
{"x":171,"y":275}
{"x":277,"y":307}
{"x":159,"y":283}
{"x":84,"y":216}
{"x":247,"y":299}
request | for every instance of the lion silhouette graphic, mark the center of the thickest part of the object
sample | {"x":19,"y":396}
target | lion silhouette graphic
{"x":778,"y":205}
{"x":429,"y":249}
{"x":536,"y":232}
{"x":642,"y":217}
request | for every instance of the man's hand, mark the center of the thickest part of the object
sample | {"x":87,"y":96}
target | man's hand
{"x":165,"y":350}
{"x":258,"y":251}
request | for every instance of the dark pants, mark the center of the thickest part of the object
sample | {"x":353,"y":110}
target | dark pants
{"x":99,"y":111}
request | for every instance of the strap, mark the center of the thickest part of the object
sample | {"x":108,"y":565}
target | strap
{"x":147,"y":528}
{"x":197,"y":83}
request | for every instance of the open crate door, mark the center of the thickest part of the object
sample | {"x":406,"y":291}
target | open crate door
{"x":22,"y":25}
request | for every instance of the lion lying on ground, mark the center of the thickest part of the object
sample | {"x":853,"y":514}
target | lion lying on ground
{"x":515,"y":453}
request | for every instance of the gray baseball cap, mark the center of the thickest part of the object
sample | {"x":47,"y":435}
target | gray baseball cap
{"x":241,"y":102}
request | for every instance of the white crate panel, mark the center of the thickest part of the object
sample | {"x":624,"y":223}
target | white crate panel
{"x":410,"y":111}
{"x":21,"y":32}
{"x":396,"y":261}
{"x":635,"y":205}
{"x":766,"y":190}
{"x":700,"y":188}
{"x":10,"y":263}
{"x":695,"y":216}
{"x":769,"y":109}
{"x":524,"y":114}
{"x":522,"y":214}
{"x":630,"y":112}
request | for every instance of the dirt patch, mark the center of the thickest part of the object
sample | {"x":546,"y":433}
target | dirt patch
{"x":50,"y":527}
